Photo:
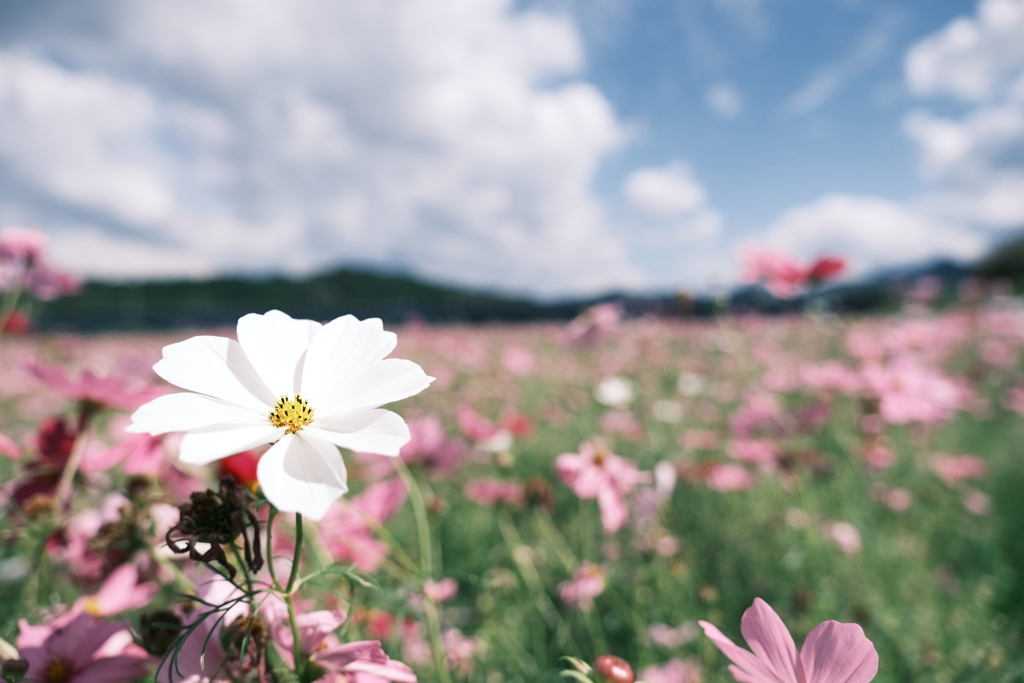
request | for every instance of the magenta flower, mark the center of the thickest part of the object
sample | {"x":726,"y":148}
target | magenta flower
{"x":491,"y":491}
{"x":81,"y":650}
{"x":833,"y":652}
{"x":440,"y":591}
{"x":951,"y":469}
{"x":909,"y":392}
{"x":428,"y":447}
{"x":596,"y":472}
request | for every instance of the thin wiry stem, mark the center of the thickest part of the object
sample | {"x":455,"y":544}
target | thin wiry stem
{"x":289,"y":599}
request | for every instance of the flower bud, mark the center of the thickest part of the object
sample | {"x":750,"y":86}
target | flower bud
{"x":612,"y":669}
{"x":13,"y":670}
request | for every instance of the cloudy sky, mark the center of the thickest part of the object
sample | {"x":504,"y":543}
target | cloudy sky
{"x":552,"y":147}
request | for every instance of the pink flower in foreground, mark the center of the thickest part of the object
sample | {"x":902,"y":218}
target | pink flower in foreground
{"x":361,"y":662}
{"x":82,"y":650}
{"x":22,"y":244}
{"x":833,"y":652}
{"x":953,"y":468}
{"x":596,"y":472}
{"x":587,"y":583}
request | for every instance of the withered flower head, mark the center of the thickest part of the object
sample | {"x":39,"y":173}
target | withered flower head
{"x":217,"y":518}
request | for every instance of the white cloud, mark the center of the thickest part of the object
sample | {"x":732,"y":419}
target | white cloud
{"x":724,"y":100}
{"x":870,"y":232}
{"x":454,"y":138}
{"x":664,"y":191}
{"x":973,"y":57}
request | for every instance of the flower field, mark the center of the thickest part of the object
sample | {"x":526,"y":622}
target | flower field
{"x":568,"y":491}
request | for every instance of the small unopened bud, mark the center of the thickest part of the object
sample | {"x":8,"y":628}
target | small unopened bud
{"x":612,"y":669}
{"x":13,"y":670}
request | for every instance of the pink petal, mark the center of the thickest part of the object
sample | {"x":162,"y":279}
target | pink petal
{"x":754,"y":669}
{"x":769,"y":638}
{"x":838,"y":653}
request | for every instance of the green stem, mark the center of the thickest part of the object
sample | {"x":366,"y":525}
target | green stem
{"x":289,"y":599}
{"x":62,"y":497}
{"x":419,"y":508}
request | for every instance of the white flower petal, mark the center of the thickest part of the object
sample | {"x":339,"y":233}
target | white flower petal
{"x":218,"y":367}
{"x":389,"y":380}
{"x":344,"y":348}
{"x":365,"y":431}
{"x":303,"y":475}
{"x":203,"y":446}
{"x":275,"y":344}
{"x":185,"y":412}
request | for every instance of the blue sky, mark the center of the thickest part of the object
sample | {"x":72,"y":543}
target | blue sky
{"x":551,"y":147}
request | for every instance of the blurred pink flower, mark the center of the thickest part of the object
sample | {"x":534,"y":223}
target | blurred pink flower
{"x":728,"y":477}
{"x":119,"y":593}
{"x":593,"y":323}
{"x":484,"y":433}
{"x":909,"y":392}
{"x":112,"y":391}
{"x":673,"y":671}
{"x":428,"y":447}
{"x":518,"y":359}
{"x":587,"y":583}
{"x":621,"y":423}
{"x":490,"y":491}
{"x":845,"y":536}
{"x":833,"y":652}
{"x":459,"y":650}
{"x":81,"y":650}
{"x":757,"y":451}
{"x":780,"y":273}
{"x":596,"y":472}
{"x":699,"y":440}
{"x":951,"y":469}
{"x":22,"y":244}
{"x":977,"y":503}
{"x":665,"y":636}
{"x":8,"y":447}
{"x":346,"y":528}
{"x":440,"y":591}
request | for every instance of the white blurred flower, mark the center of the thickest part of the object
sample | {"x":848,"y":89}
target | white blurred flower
{"x":690,"y":385}
{"x":306,"y":387}
{"x":667,"y":411}
{"x":615,"y":392}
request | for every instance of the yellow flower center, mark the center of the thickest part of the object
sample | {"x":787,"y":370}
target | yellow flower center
{"x":57,"y":671}
{"x":92,"y":606}
{"x":293,"y":413}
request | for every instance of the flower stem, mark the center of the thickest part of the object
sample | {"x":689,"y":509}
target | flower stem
{"x":289,"y":599}
{"x":419,"y":508}
{"x":7,"y":306}
{"x":62,"y":497}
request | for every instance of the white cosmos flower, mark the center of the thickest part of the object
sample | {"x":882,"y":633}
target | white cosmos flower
{"x":308,"y":387}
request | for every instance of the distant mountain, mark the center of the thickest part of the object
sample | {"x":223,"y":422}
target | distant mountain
{"x":190,"y":303}
{"x":398,"y":298}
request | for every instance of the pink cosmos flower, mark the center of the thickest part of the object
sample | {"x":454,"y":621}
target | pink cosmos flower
{"x":110,"y":391}
{"x":518,"y":359}
{"x":845,"y":536}
{"x":81,"y":649}
{"x":593,"y":323}
{"x":440,"y":591}
{"x":346,"y":528}
{"x":833,"y":652}
{"x":910,"y":392}
{"x":428,"y":447}
{"x":587,"y":583}
{"x":952,"y":469}
{"x":458,"y":651}
{"x":757,"y":451}
{"x":119,"y":593}
{"x":783,"y":275}
{"x":361,"y":662}
{"x":22,"y":244}
{"x":484,"y":433}
{"x":728,"y":477}
{"x":596,"y":472}
{"x":490,"y":491}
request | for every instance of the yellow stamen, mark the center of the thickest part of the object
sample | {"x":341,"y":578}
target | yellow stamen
{"x":92,"y":606}
{"x":57,"y":671}
{"x":291,"y":413}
